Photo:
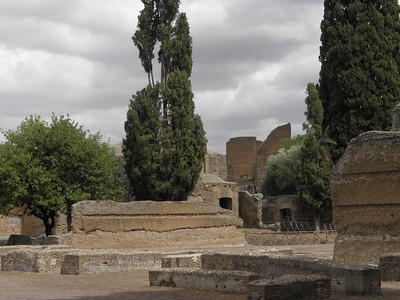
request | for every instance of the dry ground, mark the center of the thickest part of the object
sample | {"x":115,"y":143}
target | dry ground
{"x":135,"y":285}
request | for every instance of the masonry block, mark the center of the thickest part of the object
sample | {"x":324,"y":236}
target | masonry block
{"x":389,"y":264}
{"x":290,"y":287}
{"x":181,"y":261}
{"x":212,"y":280}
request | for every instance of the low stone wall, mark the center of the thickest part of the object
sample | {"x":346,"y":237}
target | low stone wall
{"x":290,"y":287}
{"x":33,"y":259}
{"x":389,"y":264}
{"x":212,"y":280}
{"x":111,"y":261}
{"x":346,"y":279}
{"x":149,"y":224}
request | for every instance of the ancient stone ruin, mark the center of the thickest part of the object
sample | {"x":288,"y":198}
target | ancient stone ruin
{"x":246,"y":157}
{"x":149,"y":224}
{"x":365,"y":195}
{"x":211,"y":188}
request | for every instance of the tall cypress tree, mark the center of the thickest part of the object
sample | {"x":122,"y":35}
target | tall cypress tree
{"x":165,"y":141}
{"x":359,"y":77}
{"x":315,"y":167}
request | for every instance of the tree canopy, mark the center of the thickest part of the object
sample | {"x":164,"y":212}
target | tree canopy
{"x":45,"y":167}
{"x":359,"y":77}
{"x":165,"y":141}
{"x":280,"y":172}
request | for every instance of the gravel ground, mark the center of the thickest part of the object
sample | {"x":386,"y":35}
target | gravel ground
{"x":135,"y":285}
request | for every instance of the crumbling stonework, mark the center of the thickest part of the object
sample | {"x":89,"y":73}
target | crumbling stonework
{"x":389,"y":264}
{"x":290,"y":287}
{"x":247,"y":157}
{"x":215,"y":163}
{"x":285,"y":208}
{"x":214,"y":189}
{"x":149,"y":224}
{"x":250,"y":209}
{"x":365,"y":195}
{"x":10,"y":224}
{"x":345,"y":279}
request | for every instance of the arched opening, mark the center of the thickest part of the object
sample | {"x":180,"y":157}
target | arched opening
{"x":286,"y":214}
{"x":225,"y":203}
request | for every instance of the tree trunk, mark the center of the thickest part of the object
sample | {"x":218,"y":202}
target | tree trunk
{"x":48,"y":222}
{"x":317,"y":221}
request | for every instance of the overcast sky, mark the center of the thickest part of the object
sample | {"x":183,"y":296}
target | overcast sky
{"x":252,"y":62}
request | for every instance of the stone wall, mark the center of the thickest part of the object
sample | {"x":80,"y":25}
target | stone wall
{"x":274,"y":205}
{"x":215,"y":163}
{"x":250,"y":209}
{"x":365,"y":195}
{"x":345,"y":279}
{"x":269,"y":147}
{"x":247,"y":157}
{"x":149,"y":224}
{"x":214,"y":189}
{"x":241,"y":158}
{"x":10,"y":224}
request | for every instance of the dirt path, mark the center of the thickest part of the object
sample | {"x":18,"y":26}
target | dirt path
{"x":101,"y":286}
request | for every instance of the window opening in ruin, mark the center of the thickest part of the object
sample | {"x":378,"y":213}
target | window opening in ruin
{"x":286,"y":214}
{"x":226,"y":203}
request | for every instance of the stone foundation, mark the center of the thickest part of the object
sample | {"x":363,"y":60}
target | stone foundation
{"x":101,"y":261}
{"x":389,"y":264}
{"x":34,"y":260}
{"x":290,"y":287}
{"x":212,"y":280}
{"x":148,"y":224}
{"x":346,"y":279}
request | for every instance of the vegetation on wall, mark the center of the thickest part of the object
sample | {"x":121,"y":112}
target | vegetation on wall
{"x":45,"y":167}
{"x":165,"y":142}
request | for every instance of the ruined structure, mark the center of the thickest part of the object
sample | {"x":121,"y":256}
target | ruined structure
{"x":214,"y":189}
{"x":215,"y":163}
{"x":247,"y":157}
{"x":365,"y":195}
{"x":285,"y":208}
{"x":150,"y":224}
{"x":250,"y":209}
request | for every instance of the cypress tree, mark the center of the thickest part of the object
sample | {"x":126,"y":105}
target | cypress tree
{"x":359,"y":77}
{"x":165,"y":141}
{"x":315,"y":167}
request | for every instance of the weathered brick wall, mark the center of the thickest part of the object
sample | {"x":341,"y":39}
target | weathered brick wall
{"x":269,"y":147}
{"x":241,"y":158}
{"x":365,"y":195}
{"x":247,"y":157}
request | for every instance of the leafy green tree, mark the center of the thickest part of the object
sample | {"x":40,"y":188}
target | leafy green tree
{"x":45,"y":167}
{"x":280,"y":172}
{"x":165,"y":141}
{"x":359,"y":77}
{"x":315,"y":167}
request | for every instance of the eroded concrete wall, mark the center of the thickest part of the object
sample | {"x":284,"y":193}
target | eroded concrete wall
{"x":149,"y":224}
{"x":365,"y":195}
